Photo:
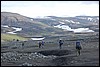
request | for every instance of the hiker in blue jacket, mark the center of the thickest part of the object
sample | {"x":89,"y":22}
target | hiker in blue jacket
{"x":78,"y":47}
{"x":42,"y":43}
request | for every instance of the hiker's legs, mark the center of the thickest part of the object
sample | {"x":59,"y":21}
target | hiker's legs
{"x":39,"y":46}
{"x":42,"y":45}
{"x":60,"y":46}
{"x":79,"y":52}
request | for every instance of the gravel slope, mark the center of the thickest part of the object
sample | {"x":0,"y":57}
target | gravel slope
{"x":51,"y":55}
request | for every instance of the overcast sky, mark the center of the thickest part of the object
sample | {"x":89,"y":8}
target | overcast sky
{"x":51,"y":8}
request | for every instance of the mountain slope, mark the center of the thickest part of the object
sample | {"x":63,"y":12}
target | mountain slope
{"x":10,"y":37}
{"x":47,"y":25}
{"x":29,"y":26}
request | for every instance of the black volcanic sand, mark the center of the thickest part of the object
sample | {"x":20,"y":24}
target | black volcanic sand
{"x":51,"y":55}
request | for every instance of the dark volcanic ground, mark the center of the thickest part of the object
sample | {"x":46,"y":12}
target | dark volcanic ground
{"x":50,"y":54}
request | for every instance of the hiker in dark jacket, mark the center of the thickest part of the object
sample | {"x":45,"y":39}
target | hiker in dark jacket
{"x":60,"y":43}
{"x":22,"y":44}
{"x":40,"y":44}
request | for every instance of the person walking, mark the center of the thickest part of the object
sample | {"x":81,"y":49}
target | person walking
{"x":60,"y":43}
{"x":78,"y":47}
{"x":42,"y":43}
{"x":22,"y":44}
{"x":39,"y":44}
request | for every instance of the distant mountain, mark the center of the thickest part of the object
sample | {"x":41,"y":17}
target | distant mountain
{"x":47,"y":25}
{"x":73,"y":22}
{"x":29,"y":26}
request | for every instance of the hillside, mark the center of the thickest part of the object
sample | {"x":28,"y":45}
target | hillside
{"x":30,"y":27}
{"x":10,"y":37}
{"x":50,"y":25}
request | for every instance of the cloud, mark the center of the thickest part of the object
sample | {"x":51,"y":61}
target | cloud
{"x":54,"y":8}
{"x":90,"y":2}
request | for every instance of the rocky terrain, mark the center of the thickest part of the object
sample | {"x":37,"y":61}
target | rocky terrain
{"x":50,"y":55}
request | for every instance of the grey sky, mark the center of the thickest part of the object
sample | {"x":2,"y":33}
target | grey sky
{"x":55,"y":8}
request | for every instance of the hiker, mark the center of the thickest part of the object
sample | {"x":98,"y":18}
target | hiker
{"x":60,"y":43}
{"x":78,"y":47}
{"x":17,"y":40}
{"x":13,"y":39}
{"x":22,"y":44}
{"x":40,"y":44}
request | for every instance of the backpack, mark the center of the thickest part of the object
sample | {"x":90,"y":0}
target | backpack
{"x":78,"y":46}
{"x":61,"y":42}
{"x":39,"y":43}
{"x":42,"y":43}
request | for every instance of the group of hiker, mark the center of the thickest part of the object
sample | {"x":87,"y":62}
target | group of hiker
{"x":41,"y":43}
{"x":78,"y":45}
{"x":61,"y":42}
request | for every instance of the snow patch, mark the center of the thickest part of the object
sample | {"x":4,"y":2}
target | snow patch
{"x":90,"y":19}
{"x":67,"y":20}
{"x":75,"y":22}
{"x":70,"y":21}
{"x":62,"y":22}
{"x":4,"y":26}
{"x":82,"y":30}
{"x":38,"y":38}
{"x":97,"y":18}
{"x":17,"y":29}
{"x":42,"y":17}
{"x":66,"y":27}
{"x":31,"y":19}
{"x":12,"y":32}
